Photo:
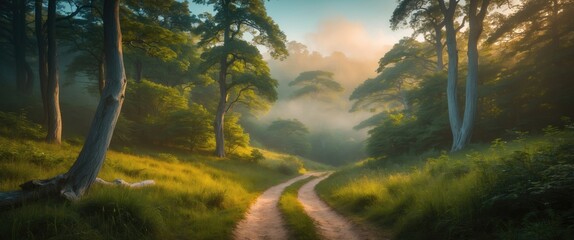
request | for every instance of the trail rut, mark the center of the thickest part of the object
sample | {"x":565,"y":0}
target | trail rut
{"x":330,"y":224}
{"x":263,"y":219}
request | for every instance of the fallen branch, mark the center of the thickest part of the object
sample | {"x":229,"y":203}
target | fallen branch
{"x":121,"y":182}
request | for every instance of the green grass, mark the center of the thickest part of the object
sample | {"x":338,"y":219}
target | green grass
{"x":299,"y":224}
{"x":520,"y":189}
{"x":195,"y":196}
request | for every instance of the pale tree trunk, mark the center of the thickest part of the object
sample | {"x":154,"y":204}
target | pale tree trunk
{"x":82,"y":174}
{"x":24,"y":78}
{"x":452,"y":79}
{"x":53,"y":88}
{"x":475,"y":21}
{"x":42,"y":57}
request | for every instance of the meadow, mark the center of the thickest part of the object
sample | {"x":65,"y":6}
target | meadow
{"x":195,"y":196}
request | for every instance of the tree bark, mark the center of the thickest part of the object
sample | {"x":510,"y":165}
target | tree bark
{"x":24,"y":78}
{"x":53,"y":88}
{"x":73,"y":184}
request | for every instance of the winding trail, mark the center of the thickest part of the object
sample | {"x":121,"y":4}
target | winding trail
{"x":263,"y":220}
{"x":330,"y":224}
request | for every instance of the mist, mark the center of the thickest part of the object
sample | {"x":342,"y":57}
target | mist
{"x":353,"y":56}
{"x":344,"y":48}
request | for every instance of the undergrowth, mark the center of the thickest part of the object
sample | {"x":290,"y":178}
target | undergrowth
{"x":520,"y":189}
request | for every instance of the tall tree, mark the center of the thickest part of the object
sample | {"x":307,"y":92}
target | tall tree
{"x":73,"y":184}
{"x":48,"y":65}
{"x":476,"y":12}
{"x":53,"y":85}
{"x":224,"y":33}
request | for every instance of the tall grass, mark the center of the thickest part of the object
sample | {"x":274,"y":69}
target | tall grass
{"x":521,"y":189}
{"x":196,"y":197}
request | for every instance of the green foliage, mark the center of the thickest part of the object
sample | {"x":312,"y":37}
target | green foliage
{"x":162,"y":116}
{"x":315,"y":84}
{"x":256,"y":156}
{"x":291,"y":165}
{"x":18,"y":126}
{"x":289,"y":136}
{"x":300,"y":225}
{"x":521,"y":191}
{"x":234,"y":135}
{"x":189,"y":128}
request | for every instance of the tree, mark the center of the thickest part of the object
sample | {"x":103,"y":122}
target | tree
{"x":74,"y":183}
{"x":315,"y":84}
{"x":476,"y":12}
{"x":53,"y":86}
{"x":48,"y":66}
{"x":288,"y":136}
{"x":239,"y":63}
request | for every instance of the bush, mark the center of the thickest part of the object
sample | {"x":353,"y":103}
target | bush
{"x":256,"y":156}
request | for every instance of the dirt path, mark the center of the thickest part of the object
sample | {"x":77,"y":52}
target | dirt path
{"x":263,"y":220}
{"x":330,"y":224}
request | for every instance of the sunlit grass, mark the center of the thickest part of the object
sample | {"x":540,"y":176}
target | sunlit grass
{"x":483,"y":193}
{"x":300,"y":225}
{"x":195,"y":197}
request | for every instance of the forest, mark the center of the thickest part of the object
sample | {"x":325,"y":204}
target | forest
{"x":235,"y":119}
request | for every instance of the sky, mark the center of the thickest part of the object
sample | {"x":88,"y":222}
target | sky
{"x":358,"y":28}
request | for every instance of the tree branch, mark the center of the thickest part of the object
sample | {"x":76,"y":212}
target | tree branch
{"x":248,"y":87}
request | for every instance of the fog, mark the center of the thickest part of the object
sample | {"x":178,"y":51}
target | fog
{"x":342,"y":47}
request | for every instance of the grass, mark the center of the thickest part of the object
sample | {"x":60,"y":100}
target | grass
{"x":299,"y":224}
{"x":195,"y":196}
{"x":520,"y":189}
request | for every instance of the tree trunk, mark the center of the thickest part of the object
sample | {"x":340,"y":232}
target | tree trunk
{"x":475,"y":21}
{"x":42,"y":59}
{"x":53,"y":90}
{"x":223,"y":95}
{"x":87,"y":166}
{"x":24,"y":78}
{"x":452,"y":79}
{"x":82,"y":174}
{"x":219,"y":121}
